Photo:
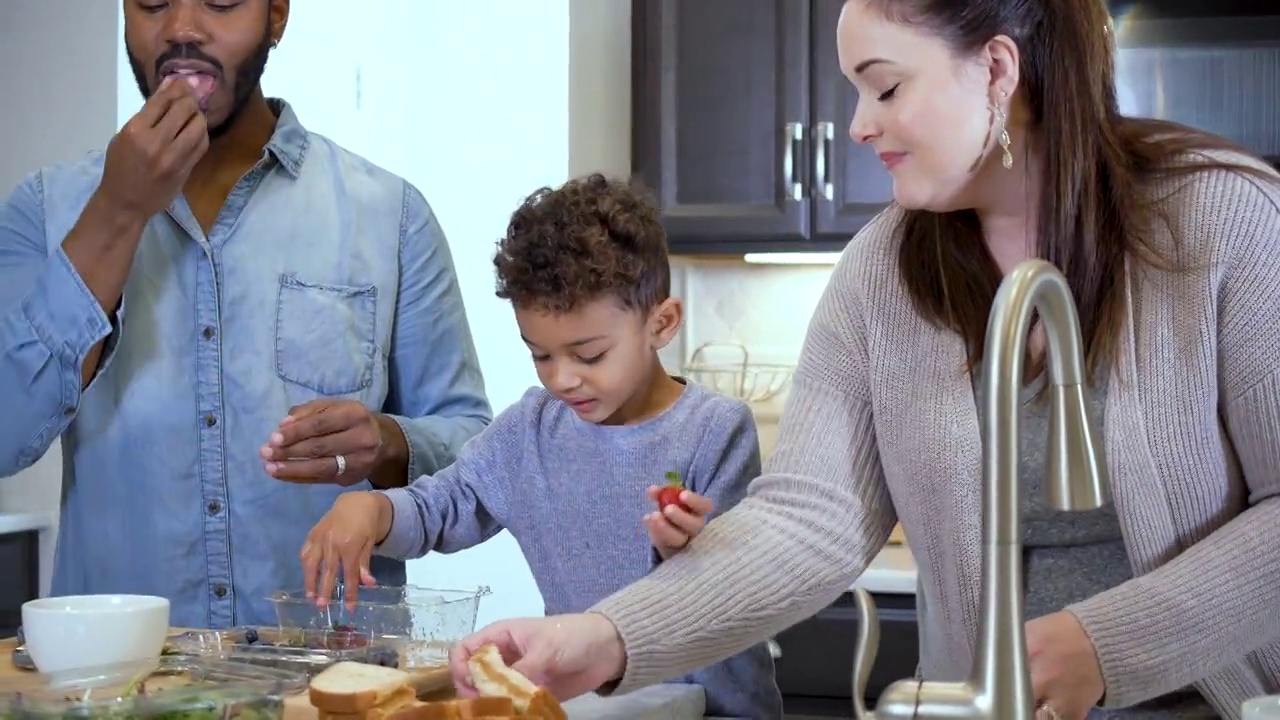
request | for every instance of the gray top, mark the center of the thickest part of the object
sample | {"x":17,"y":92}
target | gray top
{"x":572,"y":493}
{"x":1071,"y":556}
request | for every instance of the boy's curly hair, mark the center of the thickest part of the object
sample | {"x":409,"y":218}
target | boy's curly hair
{"x":592,"y":237}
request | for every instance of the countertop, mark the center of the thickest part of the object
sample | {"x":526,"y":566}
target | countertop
{"x":24,"y":522}
{"x":893,"y":571}
{"x":297,"y":707}
{"x":661,"y":702}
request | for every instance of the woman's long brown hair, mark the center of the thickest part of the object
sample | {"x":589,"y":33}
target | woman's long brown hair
{"x":1095,"y":206}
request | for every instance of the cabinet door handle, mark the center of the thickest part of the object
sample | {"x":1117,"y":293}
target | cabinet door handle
{"x":794,"y":137}
{"x":824,"y":137}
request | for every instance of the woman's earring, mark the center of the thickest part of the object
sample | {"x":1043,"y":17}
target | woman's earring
{"x":1002,"y":124}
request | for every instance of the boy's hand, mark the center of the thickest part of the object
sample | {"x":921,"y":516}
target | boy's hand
{"x":672,"y":527}
{"x":344,"y":539}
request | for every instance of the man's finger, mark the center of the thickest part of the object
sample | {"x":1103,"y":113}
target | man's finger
{"x":178,"y":115}
{"x":323,"y":469}
{"x":347,"y":442}
{"x":165,"y":95}
{"x":297,"y":412}
{"x":331,"y":420}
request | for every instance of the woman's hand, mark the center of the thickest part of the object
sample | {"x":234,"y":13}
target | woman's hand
{"x":1065,"y":676}
{"x":672,"y":527}
{"x":569,"y":655}
{"x":344,"y":539}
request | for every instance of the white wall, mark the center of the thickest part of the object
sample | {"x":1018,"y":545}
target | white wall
{"x":58,"y":83}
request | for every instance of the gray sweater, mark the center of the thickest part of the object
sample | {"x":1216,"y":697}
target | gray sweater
{"x":882,"y":425}
{"x":572,"y":494}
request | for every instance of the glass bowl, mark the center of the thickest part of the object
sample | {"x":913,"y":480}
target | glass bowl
{"x":423,"y":623}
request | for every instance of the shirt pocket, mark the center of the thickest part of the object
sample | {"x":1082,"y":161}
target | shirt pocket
{"x":326,"y":335}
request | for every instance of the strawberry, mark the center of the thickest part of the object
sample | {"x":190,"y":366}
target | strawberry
{"x":670,"y":494}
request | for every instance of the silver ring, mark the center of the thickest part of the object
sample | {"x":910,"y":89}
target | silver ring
{"x":342,"y":463}
{"x":1045,"y":711}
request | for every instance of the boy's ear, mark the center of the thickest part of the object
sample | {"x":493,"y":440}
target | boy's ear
{"x":665,"y":320}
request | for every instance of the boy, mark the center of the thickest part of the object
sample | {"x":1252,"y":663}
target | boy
{"x":575,"y":465}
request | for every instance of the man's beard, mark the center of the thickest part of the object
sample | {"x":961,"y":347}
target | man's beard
{"x":248,"y":75}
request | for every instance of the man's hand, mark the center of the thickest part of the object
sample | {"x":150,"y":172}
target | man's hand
{"x":148,"y":161}
{"x":342,"y":442}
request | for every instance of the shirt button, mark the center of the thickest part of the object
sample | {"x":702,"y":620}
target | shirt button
{"x":214,"y":507}
{"x":210,"y":420}
{"x":207,"y":332}
{"x":220,"y":591}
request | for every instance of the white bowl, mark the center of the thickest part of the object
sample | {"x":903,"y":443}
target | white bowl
{"x":83,"y":631}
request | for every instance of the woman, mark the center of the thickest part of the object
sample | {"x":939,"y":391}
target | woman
{"x":999,"y":124}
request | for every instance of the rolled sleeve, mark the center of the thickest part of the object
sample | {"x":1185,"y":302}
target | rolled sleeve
{"x":49,"y":321}
{"x":436,"y":392}
{"x":64,"y":314}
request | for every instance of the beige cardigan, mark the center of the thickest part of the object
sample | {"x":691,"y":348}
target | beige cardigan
{"x":881,"y":425}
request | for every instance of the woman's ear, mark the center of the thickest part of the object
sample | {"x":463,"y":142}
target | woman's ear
{"x":1003,"y":62}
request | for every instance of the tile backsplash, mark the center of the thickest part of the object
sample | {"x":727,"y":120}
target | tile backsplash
{"x":765,"y":308}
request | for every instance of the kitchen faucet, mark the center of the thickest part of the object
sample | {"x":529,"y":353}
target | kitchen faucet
{"x":999,"y":686}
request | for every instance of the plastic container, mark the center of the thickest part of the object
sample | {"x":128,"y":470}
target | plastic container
{"x":422,"y":623}
{"x":299,"y":650}
{"x":175,"y":686}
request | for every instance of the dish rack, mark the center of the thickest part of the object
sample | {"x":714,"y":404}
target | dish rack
{"x":742,"y":379}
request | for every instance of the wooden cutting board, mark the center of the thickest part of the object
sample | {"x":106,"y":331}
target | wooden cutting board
{"x":433,"y":683}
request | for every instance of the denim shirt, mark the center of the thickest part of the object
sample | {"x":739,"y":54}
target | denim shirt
{"x":323,"y":276}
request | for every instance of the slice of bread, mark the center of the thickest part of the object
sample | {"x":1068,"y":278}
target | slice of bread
{"x":352,"y":688}
{"x":462,"y":709}
{"x":491,"y":677}
{"x":395,"y":704}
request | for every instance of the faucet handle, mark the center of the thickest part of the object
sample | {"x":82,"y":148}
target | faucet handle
{"x":864,"y":653}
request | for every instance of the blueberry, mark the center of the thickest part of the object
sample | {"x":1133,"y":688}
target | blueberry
{"x":387,"y":658}
{"x":250,"y":636}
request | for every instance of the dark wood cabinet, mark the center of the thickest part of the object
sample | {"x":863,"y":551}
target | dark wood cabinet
{"x":815,"y":670}
{"x":740,"y":126}
{"x":20,"y":558}
{"x":740,"y":115}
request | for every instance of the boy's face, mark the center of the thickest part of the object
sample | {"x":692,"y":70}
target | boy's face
{"x":599,"y":358}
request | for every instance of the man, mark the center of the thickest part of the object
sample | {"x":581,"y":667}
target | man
{"x":211,"y":314}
